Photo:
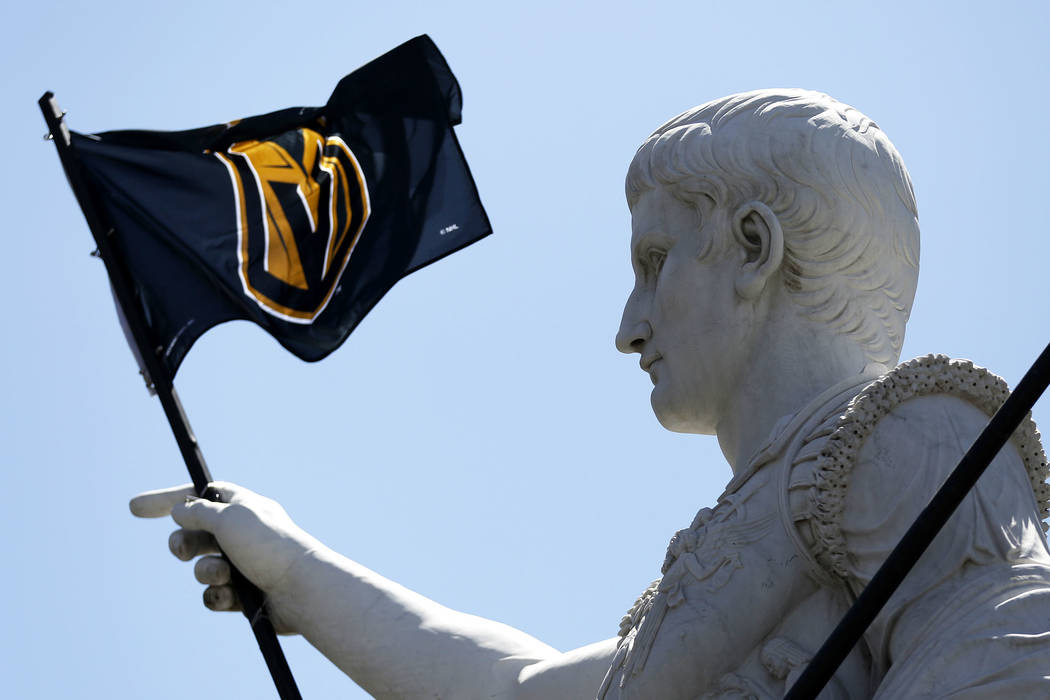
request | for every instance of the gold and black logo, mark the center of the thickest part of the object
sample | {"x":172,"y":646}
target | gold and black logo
{"x":301,"y":204}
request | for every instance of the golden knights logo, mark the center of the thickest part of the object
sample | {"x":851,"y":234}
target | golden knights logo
{"x":301,"y":203}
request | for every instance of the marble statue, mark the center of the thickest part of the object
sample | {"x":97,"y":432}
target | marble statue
{"x":775,"y":245}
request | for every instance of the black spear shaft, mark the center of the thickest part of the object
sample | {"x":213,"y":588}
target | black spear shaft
{"x":251,"y":598}
{"x":919,"y":536}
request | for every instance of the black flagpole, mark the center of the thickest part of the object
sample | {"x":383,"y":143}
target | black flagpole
{"x":251,"y":598}
{"x":918,"y":537}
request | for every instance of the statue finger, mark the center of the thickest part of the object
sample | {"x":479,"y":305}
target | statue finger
{"x":186,"y":544}
{"x":229,"y":492}
{"x":158,"y":503}
{"x":213,"y":571}
{"x":197,"y":514}
{"x":221,"y":598}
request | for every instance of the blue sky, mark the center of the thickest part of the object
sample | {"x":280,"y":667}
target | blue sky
{"x":478,"y":438}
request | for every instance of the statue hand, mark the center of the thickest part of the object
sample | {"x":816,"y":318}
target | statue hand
{"x":255,"y":532}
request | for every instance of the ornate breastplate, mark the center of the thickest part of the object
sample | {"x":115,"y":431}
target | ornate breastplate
{"x":708,"y":552}
{"x":706,"y":564}
{"x":791,"y":498}
{"x":701,"y":560}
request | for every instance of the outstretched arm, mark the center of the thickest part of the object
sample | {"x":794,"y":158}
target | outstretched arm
{"x":390,"y":640}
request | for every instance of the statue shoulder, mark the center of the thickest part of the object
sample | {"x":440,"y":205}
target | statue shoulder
{"x":909,"y":410}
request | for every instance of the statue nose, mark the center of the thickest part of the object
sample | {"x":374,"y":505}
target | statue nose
{"x":633,"y":336}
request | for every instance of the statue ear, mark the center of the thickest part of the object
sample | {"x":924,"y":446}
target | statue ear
{"x":757,"y":230}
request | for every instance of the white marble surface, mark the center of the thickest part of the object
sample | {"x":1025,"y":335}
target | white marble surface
{"x":775,"y":247}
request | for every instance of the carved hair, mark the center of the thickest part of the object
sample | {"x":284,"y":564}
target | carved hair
{"x":837,"y":184}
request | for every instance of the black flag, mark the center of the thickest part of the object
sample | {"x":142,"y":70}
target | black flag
{"x":299,"y":220}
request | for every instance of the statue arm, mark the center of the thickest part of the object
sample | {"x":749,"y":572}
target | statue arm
{"x":399,"y":644}
{"x":392,"y":641}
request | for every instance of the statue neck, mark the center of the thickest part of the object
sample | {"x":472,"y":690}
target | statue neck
{"x":791,"y":362}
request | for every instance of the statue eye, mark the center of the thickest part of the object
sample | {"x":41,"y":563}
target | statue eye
{"x":656,"y":260}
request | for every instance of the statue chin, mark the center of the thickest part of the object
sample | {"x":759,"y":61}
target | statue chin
{"x":680,"y":419}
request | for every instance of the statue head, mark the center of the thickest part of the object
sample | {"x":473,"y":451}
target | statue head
{"x":783,"y":197}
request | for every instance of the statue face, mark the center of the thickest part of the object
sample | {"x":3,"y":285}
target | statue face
{"x":684,"y":317}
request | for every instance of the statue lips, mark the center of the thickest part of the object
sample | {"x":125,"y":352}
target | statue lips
{"x":647,"y":363}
